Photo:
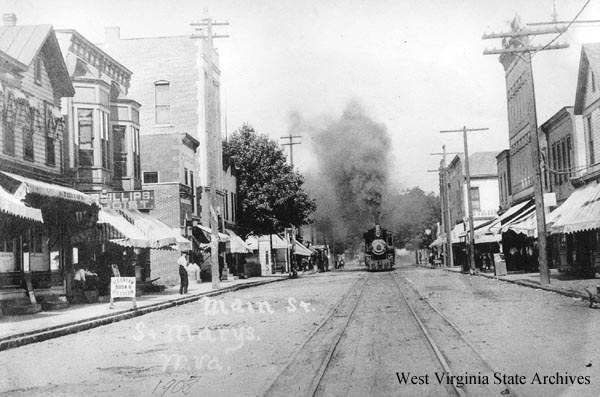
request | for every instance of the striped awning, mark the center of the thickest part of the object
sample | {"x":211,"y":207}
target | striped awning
{"x":11,"y":205}
{"x":208,"y":231}
{"x":159,"y":234}
{"x":127,"y":234}
{"x":34,"y":186}
{"x":580,"y":212}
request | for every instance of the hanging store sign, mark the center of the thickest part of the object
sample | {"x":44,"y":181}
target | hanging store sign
{"x":133,"y":199}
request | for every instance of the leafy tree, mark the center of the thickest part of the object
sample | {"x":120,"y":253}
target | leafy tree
{"x":270,"y":193}
{"x":409,"y":214}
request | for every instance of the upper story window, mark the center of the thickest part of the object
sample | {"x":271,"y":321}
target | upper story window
{"x":150,"y":177}
{"x":593,"y":82}
{"x":475,"y":203}
{"x":162,"y":103}
{"x":85,"y":124}
{"x":37,"y":70}
{"x":590,"y":140}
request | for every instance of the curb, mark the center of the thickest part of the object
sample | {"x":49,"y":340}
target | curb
{"x":569,"y":293}
{"x":41,"y":335}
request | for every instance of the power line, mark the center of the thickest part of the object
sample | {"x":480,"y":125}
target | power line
{"x":563,"y":30}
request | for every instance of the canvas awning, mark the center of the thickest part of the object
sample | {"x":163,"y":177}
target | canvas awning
{"x":128,"y":234}
{"x":508,"y":215}
{"x":183,"y":244}
{"x":236,"y":245}
{"x":580,"y":212}
{"x":438,"y":241}
{"x":34,"y":186}
{"x":301,"y":250}
{"x":252,"y":242}
{"x":159,"y":234}
{"x":222,"y":236}
{"x":11,"y":205}
{"x":524,"y":221}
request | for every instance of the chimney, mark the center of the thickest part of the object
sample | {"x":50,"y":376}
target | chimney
{"x":112,"y":34}
{"x":9,"y":19}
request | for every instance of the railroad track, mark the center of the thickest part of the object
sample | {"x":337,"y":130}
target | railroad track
{"x":316,"y":362}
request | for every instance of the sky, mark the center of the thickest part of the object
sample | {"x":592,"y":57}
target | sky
{"x":417,"y":67}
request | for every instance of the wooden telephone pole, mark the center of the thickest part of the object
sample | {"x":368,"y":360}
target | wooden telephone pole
{"x":516,"y":43}
{"x":205,"y":26}
{"x":444,"y":192}
{"x":291,"y":144}
{"x":471,"y":245}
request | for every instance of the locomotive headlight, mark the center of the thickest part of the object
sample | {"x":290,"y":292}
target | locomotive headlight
{"x":378,"y":247}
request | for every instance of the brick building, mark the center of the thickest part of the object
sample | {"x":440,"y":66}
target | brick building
{"x":177,"y":81}
{"x":169,"y":173}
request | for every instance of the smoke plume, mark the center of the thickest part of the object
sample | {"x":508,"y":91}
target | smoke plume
{"x":350,"y":174}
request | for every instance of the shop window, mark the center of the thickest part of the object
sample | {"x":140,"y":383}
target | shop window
{"x":85,"y":124}
{"x":162,"y":103}
{"x":151,"y":177}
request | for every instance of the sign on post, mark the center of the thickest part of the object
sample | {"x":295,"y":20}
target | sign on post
{"x":122,"y":287}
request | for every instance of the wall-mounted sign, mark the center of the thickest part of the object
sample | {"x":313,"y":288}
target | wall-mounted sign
{"x":132,"y":199}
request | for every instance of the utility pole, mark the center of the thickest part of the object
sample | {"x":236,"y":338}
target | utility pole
{"x":446,"y":222}
{"x":471,"y":246}
{"x":291,"y":144}
{"x":516,"y":43}
{"x":205,"y":26}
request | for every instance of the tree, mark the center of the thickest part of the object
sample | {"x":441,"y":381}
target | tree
{"x":409,"y":214}
{"x":270,"y":193}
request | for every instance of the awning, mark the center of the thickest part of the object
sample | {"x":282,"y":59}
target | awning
{"x":236,"y":245}
{"x":515,"y":210}
{"x":222,"y":236}
{"x":183,"y":244}
{"x":301,"y":250}
{"x":438,"y":241}
{"x":11,"y":205}
{"x":252,"y":242}
{"x":580,"y":212}
{"x":159,"y":234}
{"x":522,"y":222}
{"x":129,"y":235}
{"x":34,"y":186}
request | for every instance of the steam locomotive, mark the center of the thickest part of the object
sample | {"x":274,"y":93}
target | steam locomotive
{"x":379,"y":249}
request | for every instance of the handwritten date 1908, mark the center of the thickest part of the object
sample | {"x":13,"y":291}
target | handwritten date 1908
{"x":175,"y":386}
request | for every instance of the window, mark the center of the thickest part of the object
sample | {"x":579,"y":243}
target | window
{"x":193,"y":191}
{"x":162,"y":103}
{"x":554,"y":165}
{"x":185,"y":176}
{"x":28,"y":135}
{"x":590,"y":139}
{"x":119,"y":151}
{"x":475,"y":204}
{"x":569,"y":164}
{"x":593,"y":82}
{"x":8,"y":121}
{"x":104,"y":140}
{"x":85,"y":124}
{"x":136,"y":153}
{"x":151,"y":177}
{"x":37,"y":70}
{"x":50,"y":126}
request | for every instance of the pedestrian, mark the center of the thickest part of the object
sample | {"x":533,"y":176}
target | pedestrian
{"x":183,"y":275}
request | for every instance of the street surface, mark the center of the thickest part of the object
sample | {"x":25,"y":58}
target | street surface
{"x":338,"y":333}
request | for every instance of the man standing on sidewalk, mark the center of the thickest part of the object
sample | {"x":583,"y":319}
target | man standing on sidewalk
{"x":183,"y":264}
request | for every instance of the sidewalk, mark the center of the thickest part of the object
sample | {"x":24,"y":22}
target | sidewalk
{"x":21,"y":330}
{"x":559,"y":283}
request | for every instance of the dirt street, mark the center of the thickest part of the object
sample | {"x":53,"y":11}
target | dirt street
{"x":337,"y":333}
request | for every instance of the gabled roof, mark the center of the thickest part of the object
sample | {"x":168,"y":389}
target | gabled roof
{"x":590,"y":58}
{"x":24,"y":43}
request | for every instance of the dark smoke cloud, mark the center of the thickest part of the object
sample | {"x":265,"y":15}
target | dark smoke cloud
{"x":350,"y":174}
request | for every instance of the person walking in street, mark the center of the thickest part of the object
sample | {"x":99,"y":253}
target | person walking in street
{"x":183,"y":274}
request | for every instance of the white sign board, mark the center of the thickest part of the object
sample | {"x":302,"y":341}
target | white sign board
{"x":122,"y":287}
